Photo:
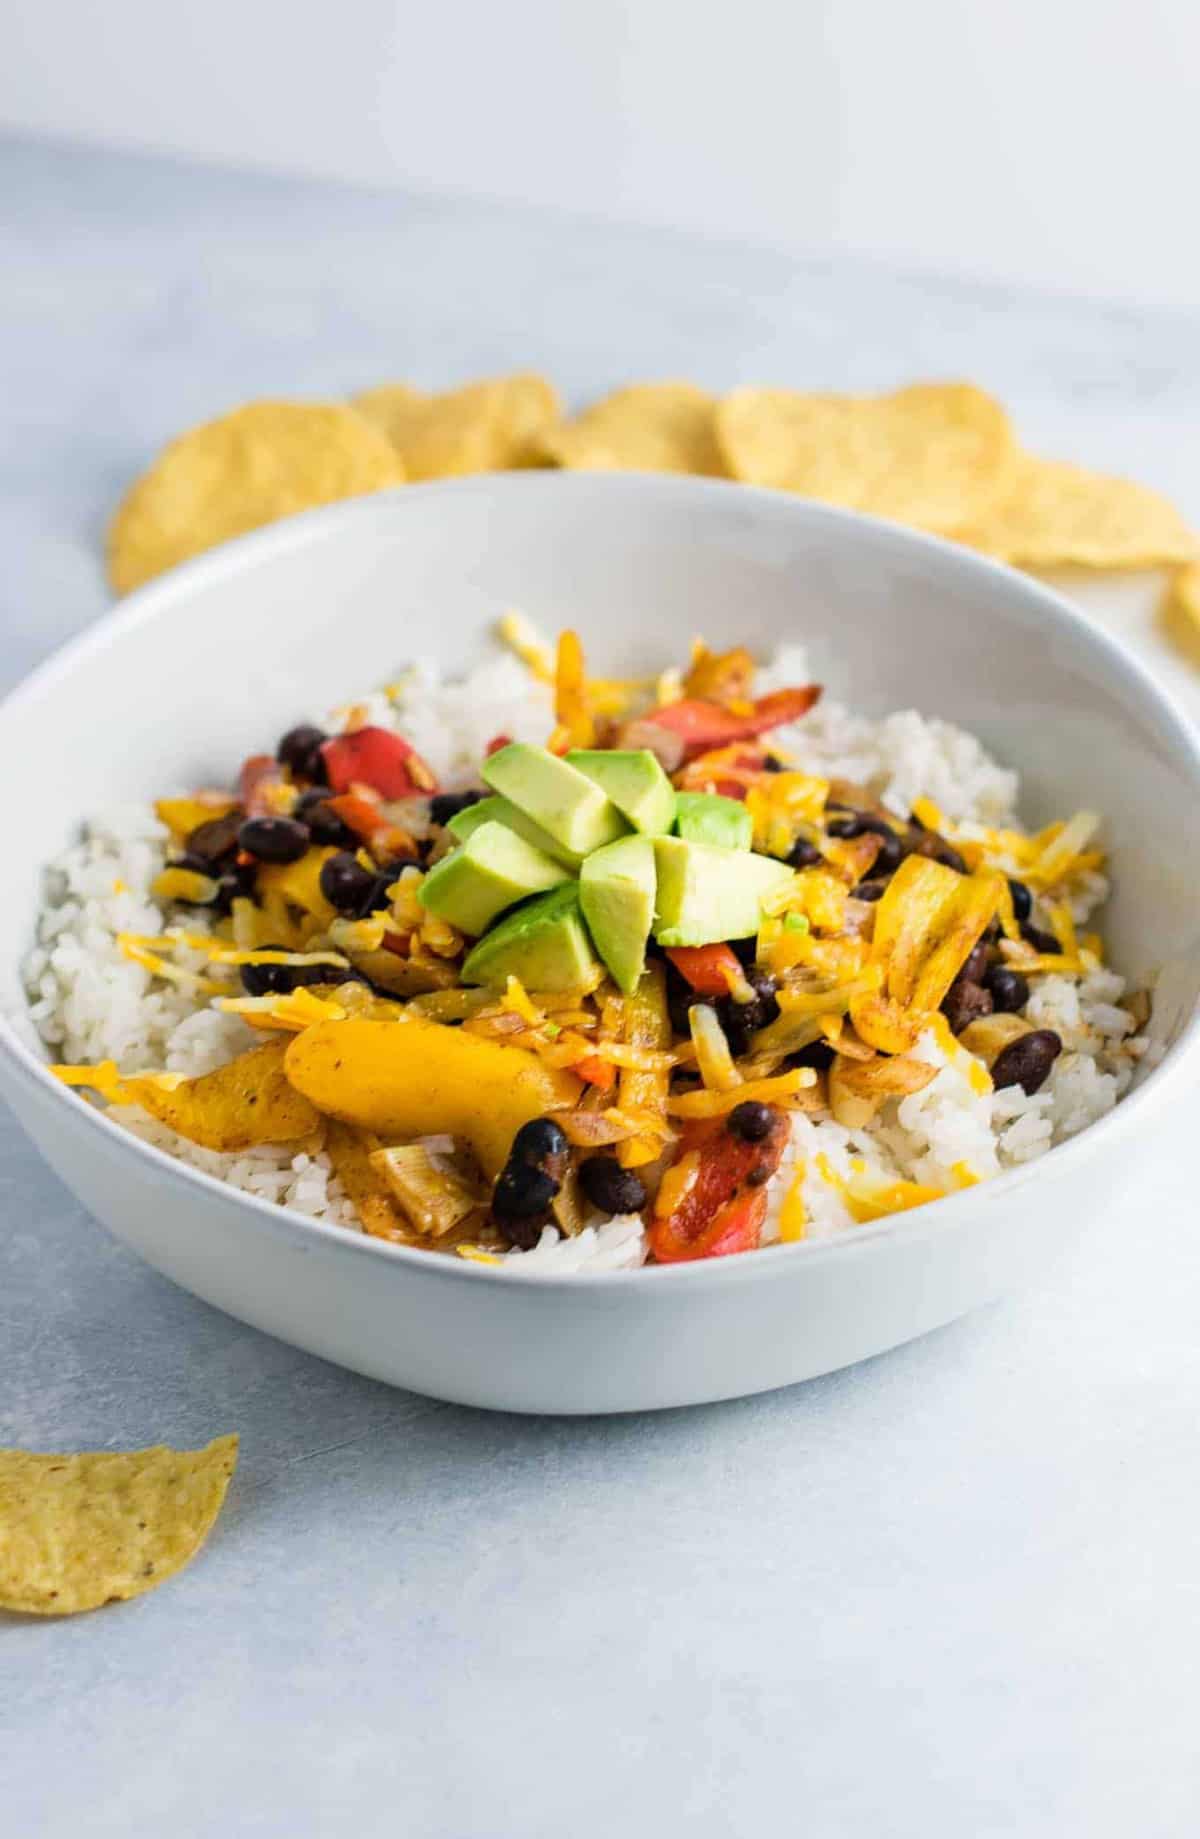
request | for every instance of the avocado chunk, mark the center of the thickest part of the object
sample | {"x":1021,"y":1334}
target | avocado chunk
{"x":707,"y":894}
{"x":497,"y":810}
{"x":634,"y":781}
{"x":616,"y":892}
{"x":561,"y":800}
{"x":544,"y":943}
{"x":493,"y":870}
{"x":704,"y":817}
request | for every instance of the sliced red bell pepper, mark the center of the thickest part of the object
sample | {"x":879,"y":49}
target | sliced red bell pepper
{"x":496,"y":743}
{"x":596,"y":1071}
{"x":697,"y":726}
{"x":712,"y":970}
{"x":368,"y":821}
{"x":259,"y":774}
{"x":377,"y":757}
{"x":723,"y":1210}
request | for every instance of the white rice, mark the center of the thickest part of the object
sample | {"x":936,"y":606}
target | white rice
{"x":89,"y":1002}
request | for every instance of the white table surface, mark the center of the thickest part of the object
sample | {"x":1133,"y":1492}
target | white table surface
{"x":950,"y":1592}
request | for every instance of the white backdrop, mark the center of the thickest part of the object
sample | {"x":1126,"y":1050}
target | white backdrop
{"x":1044,"y":141}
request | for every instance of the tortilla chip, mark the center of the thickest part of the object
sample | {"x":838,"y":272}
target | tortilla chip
{"x":937,"y":455}
{"x":649,"y":427}
{"x":78,"y":1531}
{"x":1184,"y":593}
{"x":263,"y":461}
{"x":1059,"y":515}
{"x":487,"y":427}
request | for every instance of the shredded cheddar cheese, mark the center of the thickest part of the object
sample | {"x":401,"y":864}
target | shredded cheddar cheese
{"x":793,"y":1218}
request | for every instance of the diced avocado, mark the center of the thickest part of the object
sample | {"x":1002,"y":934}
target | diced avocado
{"x":497,"y":810}
{"x":494,"y":869}
{"x":563,"y":801}
{"x":704,"y":817}
{"x":544,"y":943}
{"x":707,"y":894}
{"x":635,"y":782}
{"x":616,"y":892}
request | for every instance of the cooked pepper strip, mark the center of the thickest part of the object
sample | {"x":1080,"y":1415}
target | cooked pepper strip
{"x":259,"y":776}
{"x":712,"y":970}
{"x":702,"y":725}
{"x":368,"y":821}
{"x":377,"y":757}
{"x":724,"y":1205}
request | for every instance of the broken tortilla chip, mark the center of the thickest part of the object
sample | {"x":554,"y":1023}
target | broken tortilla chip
{"x":649,"y":427}
{"x":80,"y":1530}
{"x":493,"y":426}
{"x":261,"y":462}
{"x":937,"y":455}
{"x":1058,"y":515}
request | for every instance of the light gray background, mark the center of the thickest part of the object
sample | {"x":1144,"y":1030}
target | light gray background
{"x":951,"y":1592}
{"x":1049,"y":142}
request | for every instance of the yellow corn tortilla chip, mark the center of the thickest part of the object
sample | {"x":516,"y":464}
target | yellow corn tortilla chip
{"x":649,"y":427}
{"x":937,"y":455}
{"x":261,"y":462}
{"x":1058,"y":515}
{"x":493,"y":426}
{"x":1179,"y":612}
{"x":1185,"y":592}
{"x":78,"y":1531}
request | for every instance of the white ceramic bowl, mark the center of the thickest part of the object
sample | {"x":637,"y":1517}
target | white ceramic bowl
{"x":199,"y":669}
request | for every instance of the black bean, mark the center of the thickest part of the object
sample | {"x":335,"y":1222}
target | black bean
{"x":803,"y":854}
{"x":345,"y":883}
{"x":445,"y":805}
{"x":522,"y":1194}
{"x":610,"y":1187}
{"x":543,"y":1145}
{"x":309,"y":798}
{"x":376,"y":898}
{"x":870,"y":890}
{"x":740,"y":1020}
{"x":744,"y":950}
{"x":921,"y":842}
{"x":326,"y":827}
{"x":772,"y":765}
{"x":978,"y":959}
{"x":865,"y":823}
{"x":236,"y":883}
{"x":818,"y":1054}
{"x":196,"y":864}
{"x":300,"y":751}
{"x":891,"y":854}
{"x":964,"y":1002}
{"x":279,"y":979}
{"x":214,"y":840}
{"x":750,"y":1121}
{"x":1010,"y":991}
{"x":524,"y":1234}
{"x":274,"y":839}
{"x":680,"y":998}
{"x":1040,"y":940}
{"x":1026,"y":1062}
{"x":1022,"y":900}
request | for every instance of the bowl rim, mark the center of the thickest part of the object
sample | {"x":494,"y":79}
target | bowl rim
{"x":155,"y":600}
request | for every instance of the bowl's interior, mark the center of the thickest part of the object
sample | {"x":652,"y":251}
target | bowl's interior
{"x":218,"y":659}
